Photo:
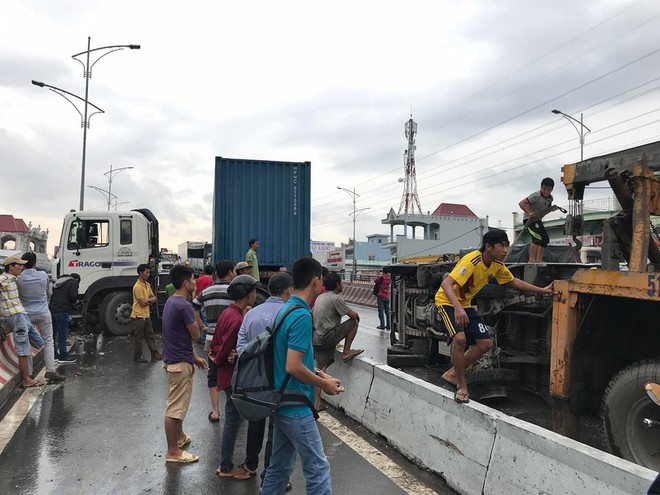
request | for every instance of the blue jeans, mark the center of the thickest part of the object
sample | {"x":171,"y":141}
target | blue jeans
{"x":24,"y":332}
{"x":301,"y":435}
{"x":384,"y":312}
{"x":233,"y":422}
{"x":61,"y":332}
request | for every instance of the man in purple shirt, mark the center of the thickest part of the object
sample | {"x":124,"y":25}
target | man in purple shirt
{"x":179,"y":331}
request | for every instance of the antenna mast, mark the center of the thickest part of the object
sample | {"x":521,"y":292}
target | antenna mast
{"x":410,"y":199}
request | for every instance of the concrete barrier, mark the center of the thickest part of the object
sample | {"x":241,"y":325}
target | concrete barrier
{"x":529,"y":459}
{"x":359,"y":295}
{"x":476,"y":449}
{"x":10,"y":376}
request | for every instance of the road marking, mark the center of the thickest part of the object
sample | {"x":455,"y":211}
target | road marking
{"x":375,"y":457}
{"x":18,"y":412}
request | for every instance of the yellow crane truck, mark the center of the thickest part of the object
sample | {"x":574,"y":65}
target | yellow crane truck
{"x":588,"y":350}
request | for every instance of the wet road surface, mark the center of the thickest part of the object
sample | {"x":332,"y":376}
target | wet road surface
{"x":102,"y":432}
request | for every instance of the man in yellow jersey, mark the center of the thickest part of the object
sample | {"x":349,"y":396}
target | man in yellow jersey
{"x":463,"y":323}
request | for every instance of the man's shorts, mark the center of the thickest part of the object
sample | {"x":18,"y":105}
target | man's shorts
{"x":539,"y":235}
{"x":24,"y":332}
{"x":324,"y":344}
{"x":179,"y":377}
{"x":475,"y":330}
{"x":212,"y":377}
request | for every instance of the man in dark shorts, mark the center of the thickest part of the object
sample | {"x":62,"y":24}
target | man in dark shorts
{"x":535,"y":206}
{"x":215,"y":300}
{"x":453,"y":301}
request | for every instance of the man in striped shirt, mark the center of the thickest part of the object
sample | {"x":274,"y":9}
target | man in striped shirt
{"x":461,"y":321}
{"x":14,"y":315}
{"x":215,"y":299}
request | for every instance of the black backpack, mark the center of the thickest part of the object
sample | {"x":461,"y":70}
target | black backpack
{"x":253,"y":384}
{"x":376,"y":288}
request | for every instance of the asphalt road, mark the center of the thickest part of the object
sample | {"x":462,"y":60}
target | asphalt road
{"x":102,"y":432}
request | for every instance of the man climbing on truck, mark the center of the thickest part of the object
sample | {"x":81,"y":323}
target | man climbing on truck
{"x":535,"y":206}
{"x":462,"y":323}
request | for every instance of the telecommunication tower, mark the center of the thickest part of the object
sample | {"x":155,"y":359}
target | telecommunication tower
{"x":410,"y":200}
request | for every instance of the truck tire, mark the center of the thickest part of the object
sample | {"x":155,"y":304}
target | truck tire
{"x":624,"y":406}
{"x":115,"y":313}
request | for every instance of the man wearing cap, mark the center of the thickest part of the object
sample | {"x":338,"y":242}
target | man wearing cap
{"x":256,"y":322}
{"x":243,"y":292}
{"x":33,"y":291}
{"x":14,"y":315}
{"x":453,"y":302}
{"x":243,"y":268}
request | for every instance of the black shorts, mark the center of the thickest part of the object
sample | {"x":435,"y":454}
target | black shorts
{"x":539,"y":235}
{"x":475,"y":330}
{"x":212,"y":378}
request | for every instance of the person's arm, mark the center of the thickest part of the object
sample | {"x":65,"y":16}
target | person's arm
{"x":524,"y":206}
{"x":521,"y":285}
{"x":227,"y":344}
{"x":199,"y":361}
{"x":460,"y":316}
{"x":296,"y":368}
{"x":193,"y":330}
{"x":353,"y":315}
{"x":73,"y":292}
{"x":198,"y":320}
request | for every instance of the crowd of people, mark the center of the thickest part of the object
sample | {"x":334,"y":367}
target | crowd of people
{"x":37,"y":312}
{"x":226,"y":312}
{"x":300,"y":352}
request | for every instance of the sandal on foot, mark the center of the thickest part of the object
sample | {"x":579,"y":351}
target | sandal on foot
{"x":247,"y":471}
{"x":185,"y":457}
{"x":352,"y":354}
{"x":35,"y":383}
{"x":184,"y":442}
{"x":235,"y":473}
{"x":461,"y":397}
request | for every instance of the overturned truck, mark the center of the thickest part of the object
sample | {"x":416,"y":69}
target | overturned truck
{"x":588,"y":350}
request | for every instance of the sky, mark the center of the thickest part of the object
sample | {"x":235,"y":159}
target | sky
{"x":329,"y":83}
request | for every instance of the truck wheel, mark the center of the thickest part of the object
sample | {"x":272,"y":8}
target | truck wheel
{"x":625,"y":404}
{"x":115,"y":313}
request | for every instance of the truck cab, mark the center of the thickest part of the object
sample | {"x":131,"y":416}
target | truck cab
{"x":105,"y":249}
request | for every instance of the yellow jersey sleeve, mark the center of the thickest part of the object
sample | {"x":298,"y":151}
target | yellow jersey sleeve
{"x":503,"y":275}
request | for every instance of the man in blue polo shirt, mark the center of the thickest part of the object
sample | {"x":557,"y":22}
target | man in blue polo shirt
{"x":295,"y":426}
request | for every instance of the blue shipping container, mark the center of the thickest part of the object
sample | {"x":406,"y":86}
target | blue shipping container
{"x":266,"y":200}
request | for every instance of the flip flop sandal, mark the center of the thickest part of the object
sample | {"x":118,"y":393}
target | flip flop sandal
{"x":185,"y":458}
{"x":247,"y":471}
{"x":465,"y":397}
{"x":229,"y":474}
{"x":36,"y":383}
{"x":352,"y":354}
{"x":185,"y":442}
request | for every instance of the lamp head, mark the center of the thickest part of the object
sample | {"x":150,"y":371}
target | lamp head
{"x":556,"y":112}
{"x":38,"y":83}
{"x":134,"y":47}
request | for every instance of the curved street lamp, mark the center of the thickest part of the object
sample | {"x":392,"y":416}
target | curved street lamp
{"x":110,"y":174}
{"x":106,"y":194}
{"x":580,"y":131}
{"x":87,"y":74}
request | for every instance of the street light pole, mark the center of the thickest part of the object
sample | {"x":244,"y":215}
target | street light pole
{"x":576,"y":206}
{"x":110,"y":174}
{"x":105,"y":193}
{"x":580,"y":131}
{"x":354,"y":195}
{"x":87,"y":74}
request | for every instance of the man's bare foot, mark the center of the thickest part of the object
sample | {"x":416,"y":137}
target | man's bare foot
{"x":450,"y":377}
